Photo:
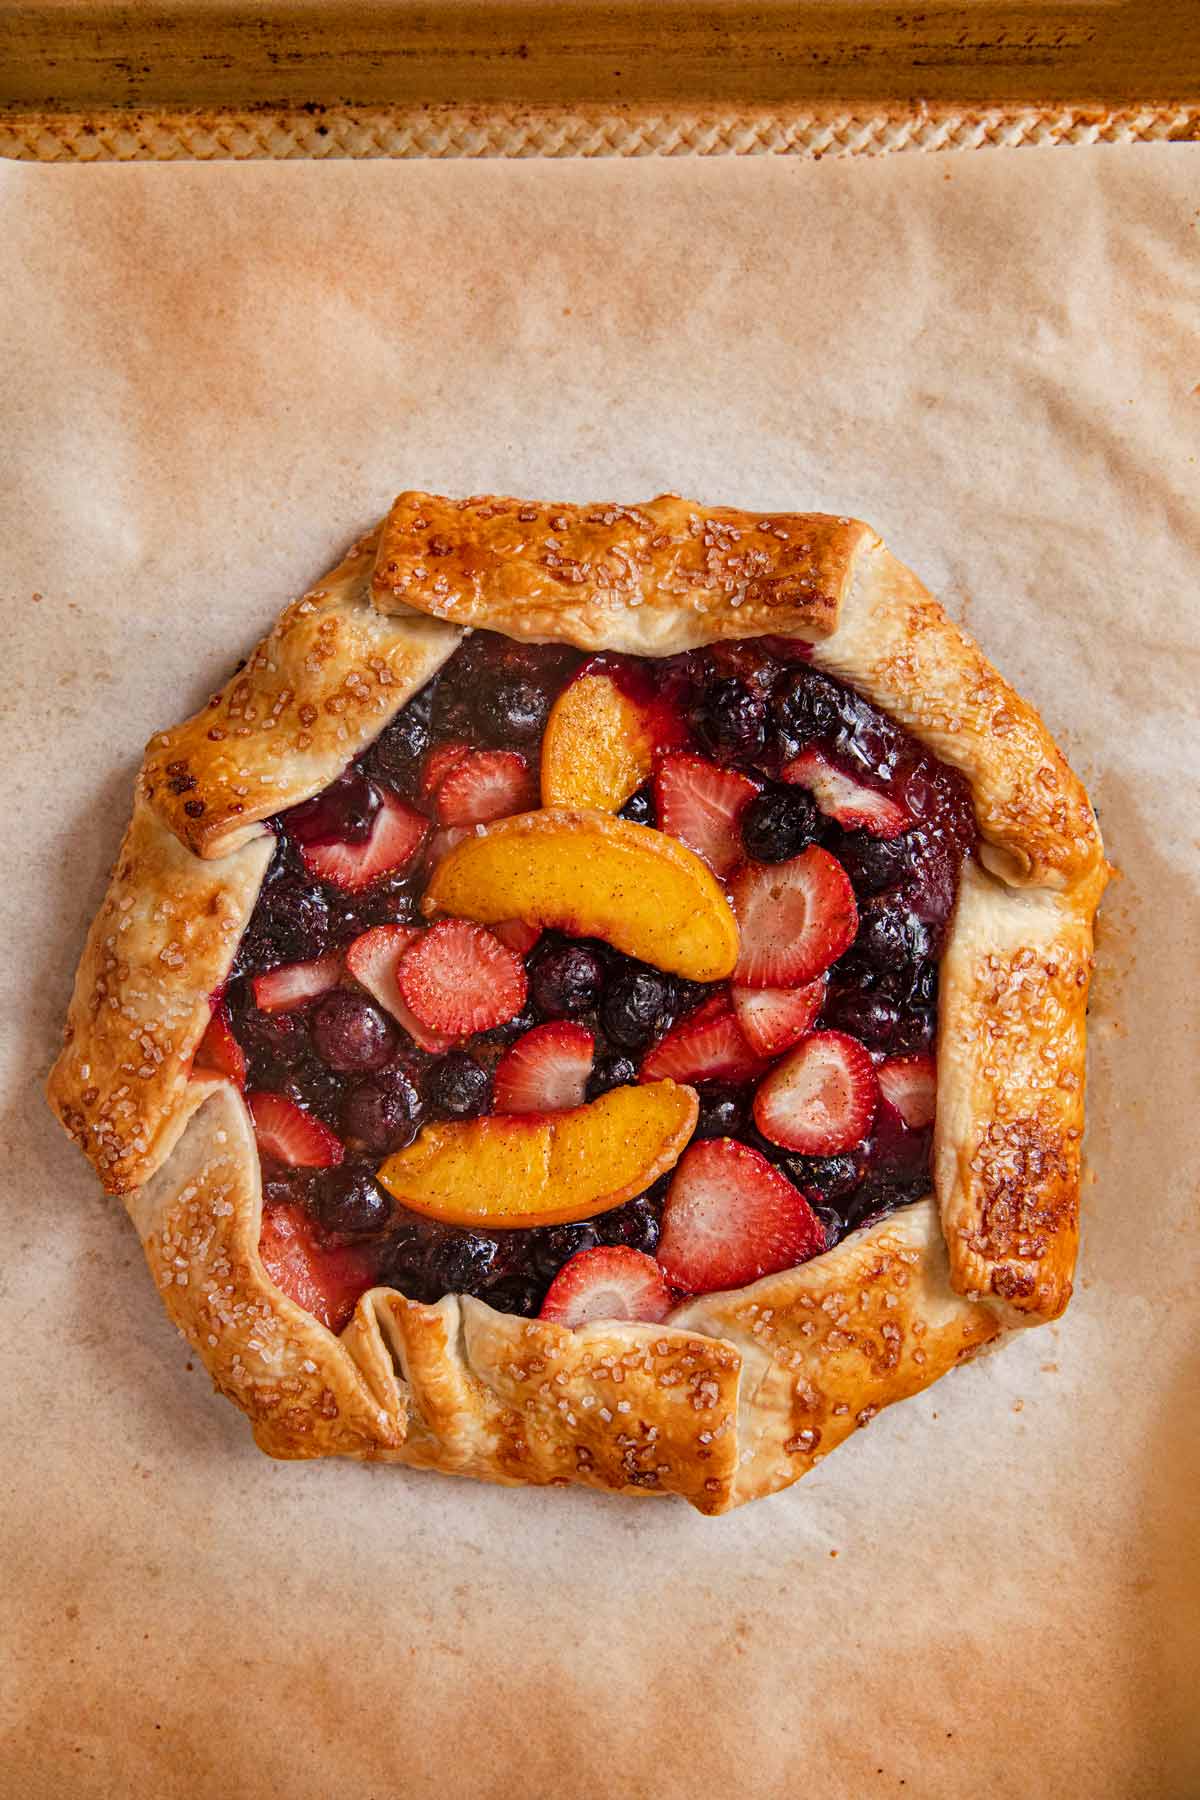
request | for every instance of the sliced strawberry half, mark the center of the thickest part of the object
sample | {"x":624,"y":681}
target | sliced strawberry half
{"x":438,"y":765}
{"x":486,"y":785}
{"x":773,"y":1019}
{"x":700,"y":804}
{"x":325,"y":1282}
{"x":519,"y":936}
{"x":392,"y":843}
{"x":609,"y":1283}
{"x":293,"y":983}
{"x":290,"y":1135}
{"x":731,"y":1217}
{"x":219,"y":1051}
{"x":373,"y":959}
{"x":708,"y":1045}
{"x":821,"y":1099}
{"x":909,"y":1083}
{"x":546,"y":1070}
{"x":458,"y":978}
{"x":796,"y":918}
{"x":839,"y":796}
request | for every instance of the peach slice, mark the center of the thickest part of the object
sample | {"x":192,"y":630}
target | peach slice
{"x":592,"y":875}
{"x":514,"y":1170}
{"x":598,"y":748}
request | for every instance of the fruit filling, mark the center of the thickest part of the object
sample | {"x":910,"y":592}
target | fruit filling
{"x":595,"y":983}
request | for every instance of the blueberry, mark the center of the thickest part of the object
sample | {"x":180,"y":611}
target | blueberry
{"x":351,"y":1034}
{"x":558,"y":1244}
{"x":806,"y":705}
{"x":730,"y":720}
{"x":636,"y":1224}
{"x":722,"y":1110}
{"x":825,"y":1178}
{"x":639,"y":1005}
{"x":280,"y":1038}
{"x":890,"y":935}
{"x":311,"y":1085}
{"x":287,"y":1187}
{"x":639,"y":809}
{"x":514,"y":710}
{"x":382,"y":1113}
{"x":396,"y":754}
{"x":610,"y":1072}
{"x":872,"y":863}
{"x":351,"y":1204}
{"x":779,"y":823}
{"x":917,"y":1029}
{"x":290,"y":924}
{"x":521,"y":1294}
{"x":457,"y":1087}
{"x":458,"y":1263}
{"x":564,"y":980}
{"x":866,"y":1015}
{"x":511,"y":1029}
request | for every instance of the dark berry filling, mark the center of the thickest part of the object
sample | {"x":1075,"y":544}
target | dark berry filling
{"x":752,"y":706}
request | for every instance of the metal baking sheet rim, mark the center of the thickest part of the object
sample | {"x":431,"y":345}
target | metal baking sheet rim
{"x":129,"y":135}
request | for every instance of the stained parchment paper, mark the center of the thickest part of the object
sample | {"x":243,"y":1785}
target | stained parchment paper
{"x":210,"y":379}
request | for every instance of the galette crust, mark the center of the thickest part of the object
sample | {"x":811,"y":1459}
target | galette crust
{"x":162,"y":943}
{"x":321,"y":685}
{"x":737,"y":1394}
{"x":647,"y":580}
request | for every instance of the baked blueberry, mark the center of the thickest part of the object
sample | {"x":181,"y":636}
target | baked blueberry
{"x":382,"y":1113}
{"x":730,"y":720}
{"x":351,"y":1034}
{"x":779,"y":823}
{"x":609,"y":1072}
{"x":639,"y":1005}
{"x":457,"y":1087}
{"x":565,"y":980}
{"x":351,"y":1204}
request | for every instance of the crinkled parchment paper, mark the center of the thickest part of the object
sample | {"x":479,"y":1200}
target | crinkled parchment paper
{"x":211,"y":378}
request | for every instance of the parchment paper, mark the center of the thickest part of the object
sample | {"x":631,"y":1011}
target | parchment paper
{"x":212,"y":377}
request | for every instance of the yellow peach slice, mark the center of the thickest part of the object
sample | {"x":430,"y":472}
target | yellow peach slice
{"x":598,"y":748}
{"x":513,"y":1170}
{"x":592,"y":875}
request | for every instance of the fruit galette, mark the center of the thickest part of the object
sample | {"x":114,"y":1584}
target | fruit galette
{"x":598,"y":996}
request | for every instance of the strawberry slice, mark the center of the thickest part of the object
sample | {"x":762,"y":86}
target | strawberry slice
{"x":293,"y":983}
{"x":519,"y":936}
{"x":486,"y":785}
{"x":609,"y":1283}
{"x":392,"y":843}
{"x":731,"y":1217}
{"x":290,"y":1135}
{"x":773,"y":1019}
{"x":438,"y":765}
{"x":458,"y":978}
{"x":796,"y":918}
{"x":219,"y":1051}
{"x":839,"y":796}
{"x":546,"y":1070}
{"x":820,"y":1099}
{"x":373,"y":959}
{"x":707,"y":1045}
{"x":909,"y":1083}
{"x":700,"y":805}
{"x":325,"y":1282}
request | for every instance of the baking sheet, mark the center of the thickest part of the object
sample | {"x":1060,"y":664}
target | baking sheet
{"x":210,"y":380}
